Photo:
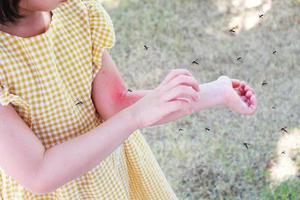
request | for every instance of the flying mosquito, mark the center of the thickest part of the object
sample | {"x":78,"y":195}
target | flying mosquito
{"x":129,"y":90}
{"x":246,"y":144}
{"x":233,"y":29}
{"x":284,"y":129}
{"x":260,"y":16}
{"x":274,"y":52}
{"x":146,"y":47}
{"x":207,"y":129}
{"x":195,"y":62}
{"x":264,"y":83}
{"x":239,"y":58}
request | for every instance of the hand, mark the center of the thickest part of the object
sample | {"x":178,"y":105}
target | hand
{"x":170,"y":100}
{"x":238,"y":96}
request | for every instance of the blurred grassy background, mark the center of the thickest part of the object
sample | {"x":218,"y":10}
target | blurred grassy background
{"x":214,"y":164}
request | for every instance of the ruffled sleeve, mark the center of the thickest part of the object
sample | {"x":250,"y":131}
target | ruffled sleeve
{"x":102,"y":31}
{"x":5,"y":96}
{"x":20,"y":105}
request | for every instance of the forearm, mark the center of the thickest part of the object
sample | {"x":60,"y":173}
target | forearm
{"x":130,"y":98}
{"x":69,"y":160}
{"x":123,"y":101}
{"x":210,"y":96}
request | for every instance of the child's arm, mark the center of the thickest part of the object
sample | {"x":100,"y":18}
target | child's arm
{"x":23,"y":157}
{"x":109,"y":92}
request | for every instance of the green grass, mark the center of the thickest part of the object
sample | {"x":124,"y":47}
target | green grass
{"x":289,"y":190}
{"x":214,"y":165}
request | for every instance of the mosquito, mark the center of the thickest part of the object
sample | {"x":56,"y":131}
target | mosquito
{"x":284,"y":129}
{"x":146,"y":47}
{"x":180,"y":129}
{"x":195,"y":62}
{"x":129,"y":90}
{"x":79,"y":102}
{"x":260,"y":16}
{"x":264,"y":83}
{"x":233,"y":29}
{"x":246,"y":144}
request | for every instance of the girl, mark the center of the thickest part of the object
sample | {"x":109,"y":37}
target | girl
{"x":69,"y":132}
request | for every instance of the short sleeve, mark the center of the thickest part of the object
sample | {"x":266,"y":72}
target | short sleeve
{"x":7,"y":97}
{"x":102,"y":31}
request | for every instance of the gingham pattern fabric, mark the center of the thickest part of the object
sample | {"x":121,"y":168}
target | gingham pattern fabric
{"x":48,"y":78}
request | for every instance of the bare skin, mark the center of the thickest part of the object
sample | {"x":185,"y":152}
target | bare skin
{"x":221,"y":92}
{"x":37,"y":18}
{"x":41,"y":171}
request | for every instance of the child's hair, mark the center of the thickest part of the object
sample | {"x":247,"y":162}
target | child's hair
{"x":9,"y":11}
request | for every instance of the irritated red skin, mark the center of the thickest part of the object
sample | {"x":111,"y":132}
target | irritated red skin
{"x":109,"y":92}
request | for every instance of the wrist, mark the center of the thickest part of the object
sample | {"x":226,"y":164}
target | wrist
{"x":218,"y":92}
{"x":223,"y":90}
{"x":133,"y":117}
{"x":211,"y":94}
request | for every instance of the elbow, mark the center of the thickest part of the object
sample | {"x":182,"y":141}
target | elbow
{"x":39,"y":187}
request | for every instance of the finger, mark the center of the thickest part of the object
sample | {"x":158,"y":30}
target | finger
{"x":247,"y":88}
{"x":181,"y":91}
{"x":253,"y":100}
{"x":242,"y":89}
{"x":239,"y":92}
{"x":183,"y":80}
{"x":174,"y":73}
{"x":235,"y":83}
{"x":253,"y":92}
{"x":248,"y":93}
{"x":243,"y":84}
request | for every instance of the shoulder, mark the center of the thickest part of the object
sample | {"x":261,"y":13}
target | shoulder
{"x":95,"y":8}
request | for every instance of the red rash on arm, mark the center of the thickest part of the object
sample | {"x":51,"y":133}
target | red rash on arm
{"x":109,"y":91}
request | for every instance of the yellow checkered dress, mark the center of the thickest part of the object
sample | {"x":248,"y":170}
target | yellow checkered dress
{"x":48,"y":80}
